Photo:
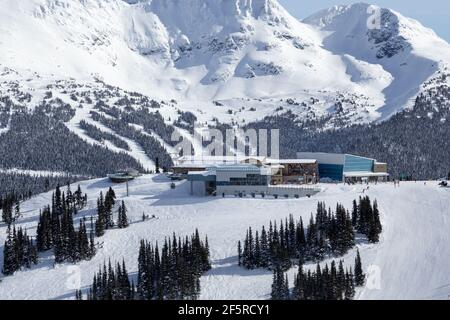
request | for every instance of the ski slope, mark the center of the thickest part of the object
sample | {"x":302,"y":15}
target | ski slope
{"x":413,"y":257}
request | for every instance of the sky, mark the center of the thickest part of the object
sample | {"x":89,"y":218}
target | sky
{"x":434,"y":14}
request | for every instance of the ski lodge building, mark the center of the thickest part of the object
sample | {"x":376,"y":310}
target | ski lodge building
{"x":242,"y":176}
{"x":347,"y":168}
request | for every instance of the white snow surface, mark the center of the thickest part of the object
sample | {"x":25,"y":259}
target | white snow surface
{"x":413,"y":256}
{"x":417,"y":52}
{"x":235,"y":51}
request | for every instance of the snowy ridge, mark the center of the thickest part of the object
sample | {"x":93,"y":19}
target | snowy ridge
{"x":196,"y":51}
{"x":72,"y":102}
{"x":410,"y":53}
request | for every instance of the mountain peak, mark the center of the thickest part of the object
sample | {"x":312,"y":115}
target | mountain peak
{"x":204,"y":50}
{"x":255,"y":8}
{"x":387,"y":30}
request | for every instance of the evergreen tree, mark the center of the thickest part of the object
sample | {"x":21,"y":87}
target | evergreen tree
{"x":359,"y":273}
{"x":328,"y":233}
{"x":355,"y":217}
{"x":19,"y":251}
{"x":17,"y":211}
{"x":277,"y":285}
{"x":264,"y":256}
{"x":44,"y":235}
{"x":175,"y":272}
{"x":328,"y":283}
{"x":239,"y":253}
{"x":349,"y":286}
{"x":110,"y":200}
{"x":100,"y":223}
{"x":78,"y":295}
{"x":374,"y":228}
{"x":9,"y":255}
{"x":122,"y":221}
{"x":7,"y":209}
{"x":157,"y":165}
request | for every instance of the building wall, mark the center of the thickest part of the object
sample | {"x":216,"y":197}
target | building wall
{"x":296,"y":173}
{"x":324,"y":158}
{"x":198,"y":188}
{"x":248,"y":180}
{"x":356,"y":164}
{"x":281,"y":192}
{"x":380,"y":167}
{"x":201,"y":177}
{"x":226,"y":176}
{"x":334,"y":172}
{"x":185,"y":170}
{"x":333,"y":165}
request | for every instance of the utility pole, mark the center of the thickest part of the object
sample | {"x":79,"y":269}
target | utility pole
{"x":128,"y":190}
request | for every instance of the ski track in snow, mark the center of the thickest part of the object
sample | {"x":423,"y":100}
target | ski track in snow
{"x":137,"y":152}
{"x":413,"y":255}
{"x":39,"y":173}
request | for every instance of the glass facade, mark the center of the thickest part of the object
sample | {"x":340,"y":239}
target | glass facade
{"x":351,"y":164}
{"x":250,"y":180}
{"x":334,"y":172}
{"x":201,"y":177}
{"x":358,"y":164}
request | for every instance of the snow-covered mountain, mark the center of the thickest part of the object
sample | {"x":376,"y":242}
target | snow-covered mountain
{"x":123,"y":75}
{"x":89,"y":87}
{"x":366,"y":35}
{"x":197,"y":51}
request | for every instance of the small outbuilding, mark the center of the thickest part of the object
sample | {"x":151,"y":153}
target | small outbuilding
{"x":124,"y":176}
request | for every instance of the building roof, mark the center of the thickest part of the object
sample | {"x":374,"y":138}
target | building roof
{"x":217,"y":159}
{"x":292,"y":161}
{"x":362,"y":174}
{"x":237,"y":167}
{"x":201,"y":173}
{"x":192,"y":165}
{"x":330,"y":158}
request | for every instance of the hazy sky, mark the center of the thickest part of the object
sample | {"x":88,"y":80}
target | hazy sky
{"x":434,"y":14}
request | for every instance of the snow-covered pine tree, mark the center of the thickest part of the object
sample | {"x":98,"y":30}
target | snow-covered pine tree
{"x":359,"y":273}
{"x":19,"y":251}
{"x":355,"y":211}
{"x":122,"y":221}
{"x":264,"y":250}
{"x":257,"y":254}
{"x":239,"y":253}
{"x":9,"y":255}
{"x":44,"y":237}
{"x":100,"y":223}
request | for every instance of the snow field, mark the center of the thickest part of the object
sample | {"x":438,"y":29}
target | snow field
{"x":412,"y":257}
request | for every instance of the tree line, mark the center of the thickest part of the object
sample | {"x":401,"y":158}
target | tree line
{"x":105,"y":219}
{"x":50,"y":145}
{"x":328,"y":234}
{"x":19,"y":251}
{"x":10,"y":206}
{"x":171,"y":272}
{"x":327,"y":283}
{"x":56,"y":228}
{"x":18,"y":187}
